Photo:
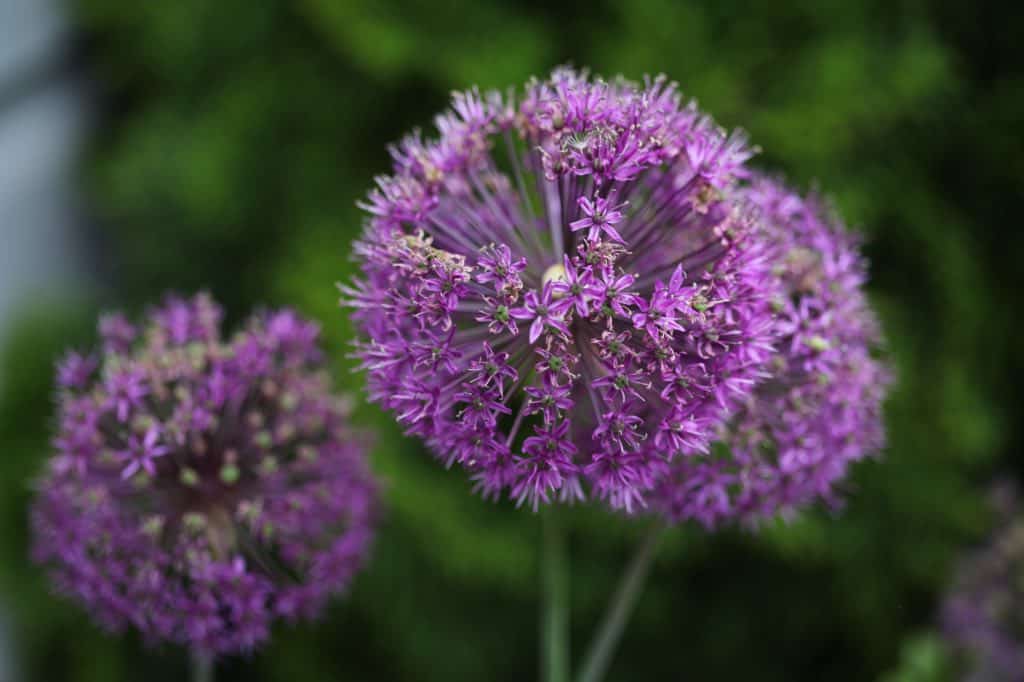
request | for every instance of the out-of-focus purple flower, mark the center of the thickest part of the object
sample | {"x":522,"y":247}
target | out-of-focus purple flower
{"x":579,"y":248}
{"x":140,"y":452}
{"x":203,"y":487}
{"x":117,"y":333}
{"x":74,"y":370}
{"x":793,"y":439}
{"x":981,"y":616}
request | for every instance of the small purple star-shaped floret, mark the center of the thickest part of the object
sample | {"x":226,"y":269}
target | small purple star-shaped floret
{"x":141,"y":453}
{"x":540,"y":310}
{"x":599,"y":216}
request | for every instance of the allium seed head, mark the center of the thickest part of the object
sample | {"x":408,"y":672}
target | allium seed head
{"x":820,"y":409}
{"x":203,"y":487}
{"x":563,"y":291}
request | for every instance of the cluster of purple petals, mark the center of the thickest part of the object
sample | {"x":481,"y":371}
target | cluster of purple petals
{"x":794,"y":437}
{"x":203,"y":487}
{"x":564,"y":292}
{"x":983,"y":615}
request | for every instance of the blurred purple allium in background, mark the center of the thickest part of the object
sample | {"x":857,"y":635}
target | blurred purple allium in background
{"x":820,"y":408}
{"x":983,"y":616}
{"x":565,"y":290}
{"x":203,"y":487}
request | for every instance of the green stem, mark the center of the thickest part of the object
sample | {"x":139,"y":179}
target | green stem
{"x":555,"y":618}
{"x":603,"y":646}
{"x":202,"y":667}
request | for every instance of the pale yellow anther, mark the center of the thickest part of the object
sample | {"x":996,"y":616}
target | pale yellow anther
{"x":554,"y":273}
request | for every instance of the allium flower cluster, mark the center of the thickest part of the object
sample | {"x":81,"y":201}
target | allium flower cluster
{"x":819,"y":410}
{"x":203,"y":487}
{"x":564,"y":291}
{"x":982,"y":616}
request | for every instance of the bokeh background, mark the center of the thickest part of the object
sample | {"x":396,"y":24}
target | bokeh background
{"x":222,"y":145}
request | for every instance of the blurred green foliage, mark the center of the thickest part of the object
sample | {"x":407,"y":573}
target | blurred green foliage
{"x":238,"y":136}
{"x":923,"y":659}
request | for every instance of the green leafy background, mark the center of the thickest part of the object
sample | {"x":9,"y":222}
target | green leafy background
{"x":236,"y":137}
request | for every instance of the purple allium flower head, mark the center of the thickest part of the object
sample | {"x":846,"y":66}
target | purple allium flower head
{"x":981,"y":616}
{"x":820,"y":409}
{"x":203,"y":487}
{"x":563,"y":290}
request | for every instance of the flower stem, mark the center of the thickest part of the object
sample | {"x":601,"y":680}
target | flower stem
{"x":555,"y":618}
{"x":599,"y":655}
{"x":202,"y":667}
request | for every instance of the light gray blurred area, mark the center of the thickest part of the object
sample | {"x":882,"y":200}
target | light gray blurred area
{"x":43,"y":118}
